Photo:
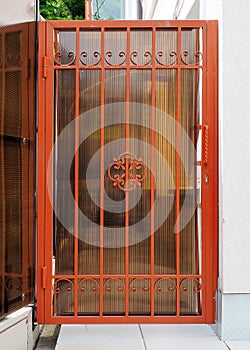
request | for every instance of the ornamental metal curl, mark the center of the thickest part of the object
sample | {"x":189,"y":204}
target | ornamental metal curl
{"x":57,"y":287}
{"x":13,"y":283}
{"x":160,"y":54}
{"x":95,"y":288}
{"x":185,"y":288}
{"x":145,"y":288}
{"x":84,"y":54}
{"x":121,"y":54}
{"x":71,"y":55}
{"x":108,"y":288}
{"x":198,"y":58}
{"x":170,"y":289}
{"x":147,"y":54}
{"x":122,"y":172}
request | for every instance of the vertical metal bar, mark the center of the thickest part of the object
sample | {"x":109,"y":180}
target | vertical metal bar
{"x":24,"y":151}
{"x":203,"y":193}
{"x":127,"y":132}
{"x":3,"y":228}
{"x":49,"y":134}
{"x":41,"y":165}
{"x":177,"y":171}
{"x":76,"y":224}
{"x":199,"y":48}
{"x":102,"y":141}
{"x":210,"y":171}
{"x":152,"y":164}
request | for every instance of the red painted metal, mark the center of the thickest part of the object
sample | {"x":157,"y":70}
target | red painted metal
{"x":205,"y":281}
{"x":128,"y":162}
{"x":17,"y":186}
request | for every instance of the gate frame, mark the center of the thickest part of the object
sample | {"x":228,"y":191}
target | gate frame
{"x":208,"y":171}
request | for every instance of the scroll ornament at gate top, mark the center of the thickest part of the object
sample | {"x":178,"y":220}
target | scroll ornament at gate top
{"x":147,"y":56}
{"x":185,"y":57}
{"x":121,"y":54}
{"x":127,"y":172}
{"x":160,"y":55}
{"x":84,"y":56}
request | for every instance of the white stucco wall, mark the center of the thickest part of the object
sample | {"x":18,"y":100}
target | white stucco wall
{"x":236,"y":144}
{"x":16,"y":11}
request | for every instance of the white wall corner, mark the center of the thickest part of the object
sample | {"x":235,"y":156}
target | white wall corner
{"x":16,"y":330}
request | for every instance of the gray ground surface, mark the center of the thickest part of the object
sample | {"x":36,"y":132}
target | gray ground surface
{"x":48,"y":337}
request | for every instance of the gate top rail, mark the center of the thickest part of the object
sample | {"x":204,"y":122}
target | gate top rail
{"x":128,"y":23}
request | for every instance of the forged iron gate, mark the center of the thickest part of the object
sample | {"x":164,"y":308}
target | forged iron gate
{"x":127,"y":183}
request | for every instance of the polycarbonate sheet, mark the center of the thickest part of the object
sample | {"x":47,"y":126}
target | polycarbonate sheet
{"x":190,"y":109}
{"x":65,"y":112}
{"x":90,"y":48}
{"x":140,"y":138}
{"x":191,"y":47}
{"x":166,"y":46}
{"x":65,"y":47}
{"x":89,"y":188}
{"x":115,"y":92}
{"x":115,"y":47}
{"x":166,"y":101}
{"x":140,"y":47}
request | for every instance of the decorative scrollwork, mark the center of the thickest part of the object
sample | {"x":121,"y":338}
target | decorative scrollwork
{"x":160,"y":55}
{"x":71,"y":56}
{"x":127,"y":167}
{"x":121,"y":54}
{"x":82,"y":285}
{"x":12,"y":60}
{"x":84,"y":55}
{"x":184,"y":285}
{"x":119,"y":288}
{"x":171,"y":288}
{"x":58,"y":285}
{"x":13,"y":283}
{"x":145,"y":288}
{"x":147,"y":55}
{"x":197,"y":55}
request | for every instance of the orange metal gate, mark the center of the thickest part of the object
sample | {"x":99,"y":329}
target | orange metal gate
{"x":127,"y":172}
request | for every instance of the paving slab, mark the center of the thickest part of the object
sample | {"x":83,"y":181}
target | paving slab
{"x":238,"y":344}
{"x":100,"y":337}
{"x":180,"y":337}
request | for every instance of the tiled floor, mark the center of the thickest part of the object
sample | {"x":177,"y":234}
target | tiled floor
{"x":141,"y":337}
{"x":238,"y":345}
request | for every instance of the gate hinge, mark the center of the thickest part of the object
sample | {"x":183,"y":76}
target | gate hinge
{"x":44,"y":277}
{"x":204,"y":129}
{"x":27,"y":68}
{"x":45,"y":64}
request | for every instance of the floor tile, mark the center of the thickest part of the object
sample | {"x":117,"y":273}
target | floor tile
{"x":185,"y":343}
{"x":180,"y":337}
{"x":238,"y":345}
{"x":164,"y":330}
{"x":100,"y":337}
